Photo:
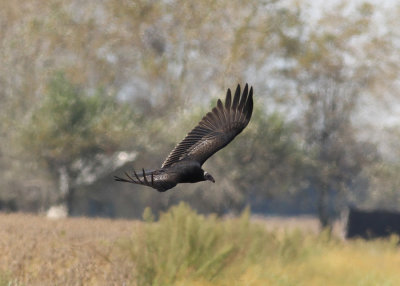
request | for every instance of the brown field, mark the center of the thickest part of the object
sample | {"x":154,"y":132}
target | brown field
{"x":74,"y":251}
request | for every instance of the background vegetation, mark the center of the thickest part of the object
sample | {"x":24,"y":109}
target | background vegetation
{"x":90,"y":88}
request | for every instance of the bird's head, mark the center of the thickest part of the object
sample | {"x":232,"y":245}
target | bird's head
{"x":208,"y":177}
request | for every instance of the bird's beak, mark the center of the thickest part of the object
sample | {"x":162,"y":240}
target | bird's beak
{"x":211,"y":179}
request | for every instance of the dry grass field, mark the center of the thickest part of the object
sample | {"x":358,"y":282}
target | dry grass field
{"x":38,"y":251}
{"x":184,"y":248}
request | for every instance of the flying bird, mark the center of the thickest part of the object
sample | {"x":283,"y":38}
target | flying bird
{"x":215,"y":130}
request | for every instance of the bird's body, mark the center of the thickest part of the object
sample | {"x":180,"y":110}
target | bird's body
{"x":214,"y":132}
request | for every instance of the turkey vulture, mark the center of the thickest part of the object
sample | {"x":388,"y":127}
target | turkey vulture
{"x":214,"y":132}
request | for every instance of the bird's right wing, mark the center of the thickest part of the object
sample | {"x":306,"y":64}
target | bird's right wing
{"x":216,"y":129}
{"x":159,"y":180}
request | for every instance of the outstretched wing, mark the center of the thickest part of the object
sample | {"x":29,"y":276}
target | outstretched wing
{"x":159,"y":180}
{"x":216,"y":129}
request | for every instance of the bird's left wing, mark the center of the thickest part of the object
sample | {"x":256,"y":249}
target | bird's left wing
{"x":216,"y":129}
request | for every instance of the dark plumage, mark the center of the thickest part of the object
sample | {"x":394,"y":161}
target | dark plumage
{"x":214,"y":132}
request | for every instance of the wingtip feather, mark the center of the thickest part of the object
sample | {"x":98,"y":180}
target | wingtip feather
{"x":119,"y":179}
{"x":236,"y":97}
{"x":228,"y":99}
{"x":243,"y":100}
{"x":220,"y":105}
{"x":249,"y":105}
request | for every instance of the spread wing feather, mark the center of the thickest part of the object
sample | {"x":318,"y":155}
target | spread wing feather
{"x":158,"y":180}
{"x":216,"y":129}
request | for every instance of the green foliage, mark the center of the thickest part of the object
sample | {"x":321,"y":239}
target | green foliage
{"x":148,"y":216}
{"x":265,"y":154}
{"x":180,"y":243}
{"x":3,"y":280}
{"x":275,"y":152}
{"x":183,"y":244}
{"x":70,"y":124}
{"x":384,"y":185}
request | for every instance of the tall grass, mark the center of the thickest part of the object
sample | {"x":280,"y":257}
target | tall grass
{"x":4,"y":281}
{"x":184,"y":245}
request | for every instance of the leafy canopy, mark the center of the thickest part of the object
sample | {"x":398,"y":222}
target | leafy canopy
{"x":69,"y":124}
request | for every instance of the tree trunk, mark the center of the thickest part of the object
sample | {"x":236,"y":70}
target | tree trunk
{"x":70,"y":200}
{"x":67,"y":192}
{"x":323,"y":207}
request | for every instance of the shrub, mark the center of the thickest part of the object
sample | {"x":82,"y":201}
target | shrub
{"x":186,"y":245}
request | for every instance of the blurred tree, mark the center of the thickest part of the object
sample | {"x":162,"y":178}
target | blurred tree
{"x":69,"y":129}
{"x":380,"y":190}
{"x":265,"y":161}
{"x":336,"y":156}
{"x":330,"y":76}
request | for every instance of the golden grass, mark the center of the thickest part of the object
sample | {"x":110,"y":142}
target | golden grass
{"x":37,"y":251}
{"x":185,"y":248}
